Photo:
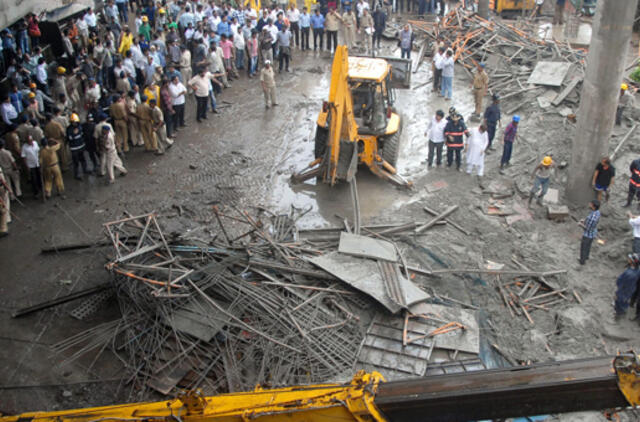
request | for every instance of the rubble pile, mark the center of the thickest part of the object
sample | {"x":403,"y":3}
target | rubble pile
{"x":522,"y":62}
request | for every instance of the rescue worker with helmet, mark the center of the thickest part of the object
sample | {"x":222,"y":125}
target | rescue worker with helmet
{"x":510,"y":133}
{"x":542,"y":177}
{"x":453,"y":132}
{"x":75,"y":139}
{"x":634,"y":181}
{"x":626,"y":101}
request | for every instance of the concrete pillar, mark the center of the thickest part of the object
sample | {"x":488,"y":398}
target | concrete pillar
{"x":483,"y":9}
{"x":600,"y":89}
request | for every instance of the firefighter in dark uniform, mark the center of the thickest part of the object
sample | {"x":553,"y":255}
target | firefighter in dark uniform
{"x":454,"y":140}
{"x":634,"y":181}
{"x":75,"y":139}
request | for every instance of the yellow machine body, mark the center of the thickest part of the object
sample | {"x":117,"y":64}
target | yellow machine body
{"x":512,"y":5}
{"x":338,"y":117}
{"x":321,"y":402}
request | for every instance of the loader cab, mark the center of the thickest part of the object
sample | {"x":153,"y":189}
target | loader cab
{"x":372,"y":94}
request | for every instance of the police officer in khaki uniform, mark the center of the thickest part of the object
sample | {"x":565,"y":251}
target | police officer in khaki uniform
{"x":143,"y":111}
{"x":118,"y":111}
{"x":480,"y":87}
{"x":159,"y":127}
{"x":50,"y":168}
{"x":5,"y":211}
{"x":132,"y":123}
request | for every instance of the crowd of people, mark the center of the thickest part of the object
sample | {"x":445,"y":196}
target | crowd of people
{"x":125,"y":74}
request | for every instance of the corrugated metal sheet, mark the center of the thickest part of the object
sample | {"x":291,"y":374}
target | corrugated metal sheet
{"x":13,"y":10}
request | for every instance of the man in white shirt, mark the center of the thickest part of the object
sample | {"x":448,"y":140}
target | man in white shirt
{"x":41,"y":73}
{"x":31,"y":156}
{"x":92,"y":20}
{"x":200,"y":85}
{"x":634,"y":221}
{"x":437,"y":69}
{"x":238,"y":45}
{"x":274,"y":34}
{"x":128,"y":66}
{"x":435,"y":134}
{"x":178,"y":91}
{"x":9,"y":113}
{"x":293,"y":14}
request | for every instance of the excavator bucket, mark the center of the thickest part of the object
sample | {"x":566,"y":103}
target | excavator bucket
{"x":400,"y":71}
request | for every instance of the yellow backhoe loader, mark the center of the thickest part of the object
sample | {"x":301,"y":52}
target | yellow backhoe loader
{"x":557,"y":387}
{"x":358,"y":124}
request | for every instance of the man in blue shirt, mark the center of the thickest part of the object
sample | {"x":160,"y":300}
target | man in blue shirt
{"x":223,"y":26}
{"x":590,"y":225}
{"x":186,"y":18}
{"x":122,"y":8}
{"x":305,"y":25}
{"x":317,"y":23}
{"x":492,"y":118}
{"x":626,"y":286}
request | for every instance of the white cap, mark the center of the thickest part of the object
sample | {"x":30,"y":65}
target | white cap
{"x":266,"y":62}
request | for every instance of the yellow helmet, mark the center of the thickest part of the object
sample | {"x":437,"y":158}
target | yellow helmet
{"x":32,"y":95}
{"x":161,"y":11}
{"x":145,"y":18}
{"x":546,"y":161}
{"x":61,"y":70}
{"x":624,"y":87}
{"x":74,"y":117}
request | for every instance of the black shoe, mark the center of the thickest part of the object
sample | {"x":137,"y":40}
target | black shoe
{"x":198,"y":120}
{"x":627,"y":205}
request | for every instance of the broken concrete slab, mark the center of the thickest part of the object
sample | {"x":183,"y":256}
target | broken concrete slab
{"x":367,"y":247}
{"x":467,"y":340}
{"x":546,"y":99}
{"x":549,"y":73}
{"x":565,"y":111}
{"x":552,"y":196}
{"x":557,"y":212}
{"x":436,"y":186}
{"x":364,"y":275}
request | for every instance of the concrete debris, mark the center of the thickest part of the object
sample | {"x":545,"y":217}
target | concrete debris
{"x":549,"y":73}
{"x":366,"y":247}
{"x":519,"y":62}
{"x":557,"y":212}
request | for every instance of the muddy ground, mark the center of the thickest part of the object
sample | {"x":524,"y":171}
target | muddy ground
{"x":244,"y":156}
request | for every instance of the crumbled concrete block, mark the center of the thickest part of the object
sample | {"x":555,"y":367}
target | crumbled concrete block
{"x":436,"y":186}
{"x":552,"y":196}
{"x":557,"y":212}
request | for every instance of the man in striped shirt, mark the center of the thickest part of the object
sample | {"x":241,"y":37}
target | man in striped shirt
{"x":590,"y":225}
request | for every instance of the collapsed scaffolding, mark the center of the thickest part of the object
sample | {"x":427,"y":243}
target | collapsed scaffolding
{"x":266,"y":303}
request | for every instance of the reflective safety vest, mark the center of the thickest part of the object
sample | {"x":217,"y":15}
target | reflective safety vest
{"x":635,"y":173}
{"x":455,"y":130}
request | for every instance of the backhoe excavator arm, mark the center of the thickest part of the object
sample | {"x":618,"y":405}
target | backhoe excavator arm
{"x":342,"y":124}
{"x":556,"y":387}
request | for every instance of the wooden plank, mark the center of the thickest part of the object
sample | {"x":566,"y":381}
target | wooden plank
{"x":441,"y":216}
{"x":416,"y":64}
